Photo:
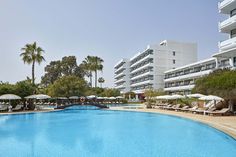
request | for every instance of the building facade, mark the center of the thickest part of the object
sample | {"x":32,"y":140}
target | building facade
{"x":182,"y":80}
{"x":227,"y":48}
{"x":122,"y":75}
{"x":146,"y":69}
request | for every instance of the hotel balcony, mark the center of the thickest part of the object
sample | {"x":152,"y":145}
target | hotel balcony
{"x":228,"y":25}
{"x":142,"y":67}
{"x":142,"y":75}
{"x":120,"y":70}
{"x":120,"y":81}
{"x":226,"y":6}
{"x":119,"y":75}
{"x":228,"y":45}
{"x":179,"y":88}
{"x":142,"y":60}
{"x":120,"y":87}
{"x":142,"y":83}
{"x":189,"y":76}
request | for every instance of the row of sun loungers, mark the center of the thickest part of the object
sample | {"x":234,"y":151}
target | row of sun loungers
{"x":6,"y":108}
{"x":195,"y":109}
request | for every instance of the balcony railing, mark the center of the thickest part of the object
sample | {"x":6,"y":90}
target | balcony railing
{"x":224,"y":3}
{"x":119,"y":75}
{"x":142,"y":83}
{"x":228,"y":44}
{"x":179,"y":88}
{"x":189,"y":76}
{"x":192,"y":72}
{"x":141,"y":60}
{"x":142,"y":67}
{"x":227,"y":25}
{"x":120,"y":81}
{"x":142,"y":75}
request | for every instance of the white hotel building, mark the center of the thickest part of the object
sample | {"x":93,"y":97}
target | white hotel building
{"x":181,"y":80}
{"x":146,"y":69}
{"x":122,"y":78}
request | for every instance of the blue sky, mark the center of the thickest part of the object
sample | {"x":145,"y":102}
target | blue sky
{"x":111,"y":29}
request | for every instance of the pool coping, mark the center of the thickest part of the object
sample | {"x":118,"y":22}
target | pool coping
{"x":30,"y":112}
{"x":225,"y":129}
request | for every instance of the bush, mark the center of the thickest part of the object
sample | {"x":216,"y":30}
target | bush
{"x":221,"y":83}
{"x":67,"y":86}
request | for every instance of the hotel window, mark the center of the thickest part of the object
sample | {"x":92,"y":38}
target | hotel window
{"x":173,"y":61}
{"x":233,"y":33}
{"x":235,"y":61}
{"x":233,"y":12}
{"x":173,"y":53}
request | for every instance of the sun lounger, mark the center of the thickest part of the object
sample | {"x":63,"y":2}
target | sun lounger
{"x":193,"y":109}
{"x":185,"y":108}
{"x":4,"y":108}
{"x":210,"y":110}
{"x":168,"y":107}
{"x":221,"y":112}
{"x":205,"y":110}
{"x":17,"y":108}
{"x":176,"y":107}
{"x":200,"y":110}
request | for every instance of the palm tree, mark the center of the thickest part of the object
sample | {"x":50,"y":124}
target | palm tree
{"x":87,"y":67}
{"x":101,"y":81}
{"x":92,"y":64}
{"x":32,"y":54}
{"x":97,"y":66}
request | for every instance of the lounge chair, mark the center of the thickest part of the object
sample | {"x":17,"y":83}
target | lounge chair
{"x":162,"y":106}
{"x":210,"y":110}
{"x":205,"y":110}
{"x":200,"y":110}
{"x":168,"y":107}
{"x":17,"y":108}
{"x":221,"y":112}
{"x":185,"y":108}
{"x":176,"y":107}
{"x":4,"y":108}
{"x":193,"y":109}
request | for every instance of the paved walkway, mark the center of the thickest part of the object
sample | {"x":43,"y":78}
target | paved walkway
{"x":226,"y":124}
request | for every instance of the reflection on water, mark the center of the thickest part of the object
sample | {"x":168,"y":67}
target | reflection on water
{"x":3,"y":119}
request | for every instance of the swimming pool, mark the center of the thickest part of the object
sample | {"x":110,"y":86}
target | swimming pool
{"x":99,"y":133}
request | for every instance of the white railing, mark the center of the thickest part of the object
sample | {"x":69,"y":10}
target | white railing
{"x":224,"y":3}
{"x":227,"y":22}
{"x":142,"y":75}
{"x":120,"y":81}
{"x":189,"y":76}
{"x":228,"y":44}
{"x":142,"y":83}
{"x":120,"y":86}
{"x":119,"y":75}
{"x":120,"y":69}
{"x":141,"y":60}
{"x":142,"y":67}
{"x":179,"y":88}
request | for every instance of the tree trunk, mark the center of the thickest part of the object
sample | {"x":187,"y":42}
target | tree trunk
{"x":33,"y":78}
{"x":91,"y":79}
{"x":95,"y":78}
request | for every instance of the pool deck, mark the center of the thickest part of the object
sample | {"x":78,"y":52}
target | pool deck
{"x":26,"y":112}
{"x":226,"y":124}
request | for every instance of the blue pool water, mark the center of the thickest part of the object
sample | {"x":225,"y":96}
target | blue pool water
{"x":99,"y":133}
